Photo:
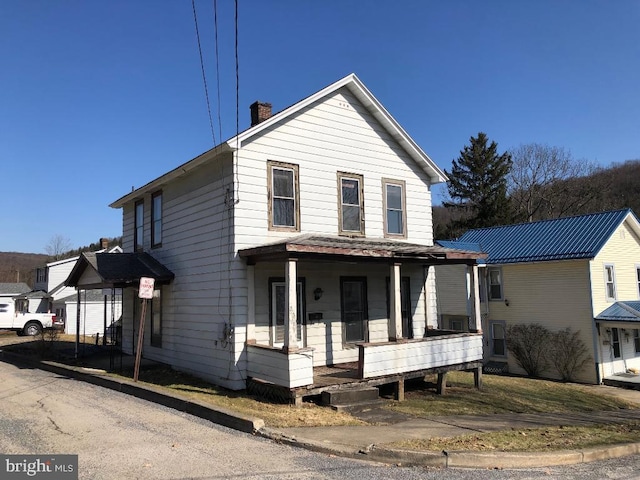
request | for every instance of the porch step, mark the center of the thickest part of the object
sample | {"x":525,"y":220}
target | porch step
{"x":350,"y":398}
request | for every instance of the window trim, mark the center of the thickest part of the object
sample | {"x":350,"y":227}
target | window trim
{"x":138,"y":224}
{"x":612,"y":282}
{"x":386,"y":182}
{"x":154,"y":220}
{"x":156,"y":338}
{"x":360,"y":179}
{"x":271,"y":165}
{"x":616,"y":343}
{"x":638,"y":278}
{"x":489,"y":284}
{"x":503,"y":324}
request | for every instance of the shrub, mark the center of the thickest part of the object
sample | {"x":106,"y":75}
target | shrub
{"x":528,"y":343}
{"x":568,"y":353}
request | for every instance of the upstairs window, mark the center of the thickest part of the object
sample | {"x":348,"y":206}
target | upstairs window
{"x":609,"y":282}
{"x":284,"y":208}
{"x":138,"y":234}
{"x":638,"y":278}
{"x":495,"y":283}
{"x":41,"y":275}
{"x":351,"y":211}
{"x":394,"y":208}
{"x":156,"y":219}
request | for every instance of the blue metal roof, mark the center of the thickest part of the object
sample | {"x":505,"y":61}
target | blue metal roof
{"x":560,"y":239}
{"x":622,"y":312}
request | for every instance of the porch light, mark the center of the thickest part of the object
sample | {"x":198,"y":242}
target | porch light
{"x":317,"y":293}
{"x":506,"y":302}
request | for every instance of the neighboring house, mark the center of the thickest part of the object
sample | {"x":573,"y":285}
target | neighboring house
{"x":305,"y":242}
{"x":580,"y":272}
{"x":51,"y":294}
{"x":10,"y":290}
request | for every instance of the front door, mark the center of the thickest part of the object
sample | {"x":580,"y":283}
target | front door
{"x":277,"y":316}
{"x":353,"y":300}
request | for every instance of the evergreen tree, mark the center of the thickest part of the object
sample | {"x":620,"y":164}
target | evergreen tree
{"x":478,"y":186}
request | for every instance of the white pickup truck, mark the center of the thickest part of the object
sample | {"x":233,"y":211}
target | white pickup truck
{"x":14,"y":316}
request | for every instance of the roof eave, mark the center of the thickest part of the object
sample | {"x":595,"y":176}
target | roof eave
{"x":171,"y":175}
{"x":369,"y":101}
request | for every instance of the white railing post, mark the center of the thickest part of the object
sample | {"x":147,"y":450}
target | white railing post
{"x":396,"y":303}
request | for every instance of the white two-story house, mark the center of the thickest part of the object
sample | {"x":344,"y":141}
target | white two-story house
{"x":301,"y":245}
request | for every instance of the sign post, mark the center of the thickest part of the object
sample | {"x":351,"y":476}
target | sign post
{"x":145,"y":292}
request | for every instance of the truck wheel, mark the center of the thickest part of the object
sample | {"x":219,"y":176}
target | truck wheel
{"x":32,"y":328}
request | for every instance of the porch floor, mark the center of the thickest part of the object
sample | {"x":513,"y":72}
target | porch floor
{"x":624,"y":380}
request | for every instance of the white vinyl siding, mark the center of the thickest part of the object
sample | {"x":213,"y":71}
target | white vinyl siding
{"x":322,"y":140}
{"x":197,"y":315}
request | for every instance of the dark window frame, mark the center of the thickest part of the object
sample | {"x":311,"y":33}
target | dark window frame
{"x":493,"y":340}
{"x":363,"y":279}
{"x":156,"y":220}
{"x":274,"y":165}
{"x":155,"y":307}
{"x":138,"y":226}
{"x":360,"y":179}
{"x":387,"y":182}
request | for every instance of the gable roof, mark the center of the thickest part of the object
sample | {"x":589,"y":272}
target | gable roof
{"x":355,"y":86}
{"x":14,"y":288}
{"x":622,"y":312}
{"x":120,"y":270}
{"x":578,"y":237}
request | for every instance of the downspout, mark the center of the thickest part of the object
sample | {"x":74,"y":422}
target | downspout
{"x":595,"y":332}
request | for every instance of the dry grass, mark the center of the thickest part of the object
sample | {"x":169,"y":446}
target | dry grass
{"x":274,"y":414}
{"x":532,"y":440}
{"x":502,"y":394}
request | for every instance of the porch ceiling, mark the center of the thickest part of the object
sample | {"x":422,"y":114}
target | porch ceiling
{"x":351,"y":249}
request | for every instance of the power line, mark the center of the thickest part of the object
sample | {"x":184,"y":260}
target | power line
{"x":215,"y":23}
{"x":204,"y":77}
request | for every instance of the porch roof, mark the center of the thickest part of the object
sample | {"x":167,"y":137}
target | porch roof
{"x":105,"y":270}
{"x":325,"y":247}
{"x":621,"y":312}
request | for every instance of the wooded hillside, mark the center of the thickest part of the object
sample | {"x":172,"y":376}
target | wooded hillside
{"x":605,"y":189}
{"x":20,"y":267}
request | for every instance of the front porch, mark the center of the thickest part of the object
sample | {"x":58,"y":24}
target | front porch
{"x":290,"y":376}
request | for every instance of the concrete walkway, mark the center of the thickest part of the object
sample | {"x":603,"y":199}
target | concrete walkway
{"x":370,"y":442}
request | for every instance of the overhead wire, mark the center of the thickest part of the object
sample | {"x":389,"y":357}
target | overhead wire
{"x":215,"y":25}
{"x":204,"y":77}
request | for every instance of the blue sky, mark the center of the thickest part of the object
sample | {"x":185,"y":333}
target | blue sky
{"x":97,"y":97}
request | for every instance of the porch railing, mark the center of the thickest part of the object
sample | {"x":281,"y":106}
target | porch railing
{"x":390,"y":358}
{"x":274,"y":365}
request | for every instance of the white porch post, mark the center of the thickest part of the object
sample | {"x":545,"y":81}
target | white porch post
{"x":251,"y":305}
{"x":469,"y":296}
{"x":476,"y":300}
{"x":396,"y":303}
{"x":291,"y":306}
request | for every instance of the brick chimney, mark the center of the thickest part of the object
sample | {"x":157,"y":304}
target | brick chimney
{"x":260,"y":111}
{"x":104,"y":243}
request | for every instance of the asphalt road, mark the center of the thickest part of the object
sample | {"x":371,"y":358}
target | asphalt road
{"x":121,"y":437}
